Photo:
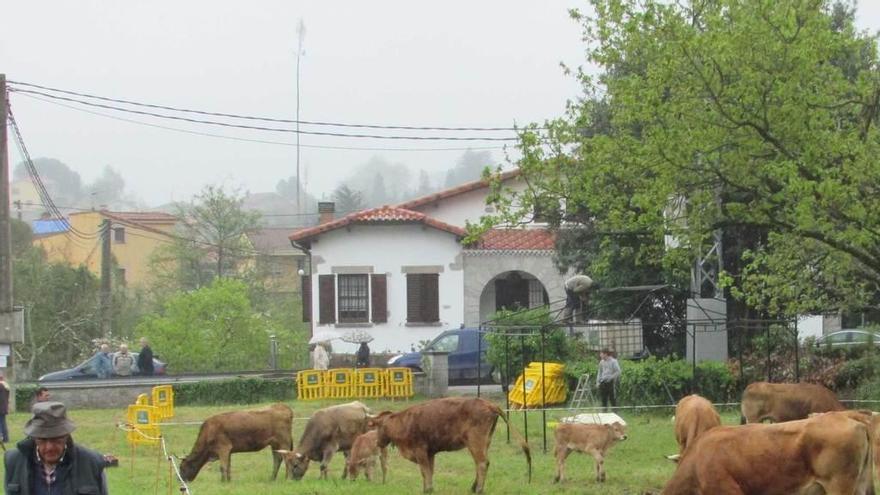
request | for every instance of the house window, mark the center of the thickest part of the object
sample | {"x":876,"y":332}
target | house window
{"x":537,"y":294}
{"x":353,"y":300}
{"x":422,"y":298}
{"x":119,"y":235}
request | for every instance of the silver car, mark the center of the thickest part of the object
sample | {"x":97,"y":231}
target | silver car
{"x":848,"y":338}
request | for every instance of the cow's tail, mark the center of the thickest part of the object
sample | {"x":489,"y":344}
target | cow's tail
{"x":524,"y":445}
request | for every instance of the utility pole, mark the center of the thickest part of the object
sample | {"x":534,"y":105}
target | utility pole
{"x":11,"y":319}
{"x":106,"y":294}
{"x":301,"y":34}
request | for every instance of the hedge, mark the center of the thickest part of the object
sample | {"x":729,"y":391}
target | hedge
{"x":662,"y":381}
{"x":206,"y":393}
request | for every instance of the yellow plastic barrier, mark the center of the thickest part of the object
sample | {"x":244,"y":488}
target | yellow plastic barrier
{"x":339,"y":383}
{"x":142,"y":420}
{"x":553,"y":391}
{"x":398,"y":382}
{"x":369,"y":382}
{"x":163,"y":401}
{"x":142,"y":400}
{"x":310,"y":384}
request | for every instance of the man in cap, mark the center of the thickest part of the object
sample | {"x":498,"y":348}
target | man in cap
{"x":48,"y":462}
{"x":577,"y":296}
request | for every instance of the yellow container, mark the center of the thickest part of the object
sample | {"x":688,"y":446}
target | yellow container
{"x":143,"y":427}
{"x":369,"y":382}
{"x":339,"y":383}
{"x":163,"y":401}
{"x":310,"y":385}
{"x":142,"y":400}
{"x":398,"y":382}
{"x":528,"y":391}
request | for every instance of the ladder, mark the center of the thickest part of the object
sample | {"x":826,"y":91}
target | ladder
{"x":583,"y":394}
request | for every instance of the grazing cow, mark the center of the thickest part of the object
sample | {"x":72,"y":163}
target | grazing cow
{"x":444,"y":425}
{"x":329,"y":430}
{"x":595,"y":440}
{"x":363,"y":455}
{"x":694,"y":415}
{"x":240,"y":431}
{"x":780,"y":402}
{"x":831,"y":450}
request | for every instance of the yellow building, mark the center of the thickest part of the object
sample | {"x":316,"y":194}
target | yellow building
{"x":133,"y":239}
{"x":275,"y":260}
{"x":24,"y":200}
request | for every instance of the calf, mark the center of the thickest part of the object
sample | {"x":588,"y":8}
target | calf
{"x":363,"y":455}
{"x":444,"y":425}
{"x":694,"y":415}
{"x":223,"y":434}
{"x":329,"y":430}
{"x":830,"y":450}
{"x":780,"y":402}
{"x":595,"y":440}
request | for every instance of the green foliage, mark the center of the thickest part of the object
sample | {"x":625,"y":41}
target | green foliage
{"x":216,"y":328}
{"x":235,"y":391}
{"x":525,"y":348}
{"x":661,"y":381}
{"x":24,"y":394}
{"x":690,"y":129}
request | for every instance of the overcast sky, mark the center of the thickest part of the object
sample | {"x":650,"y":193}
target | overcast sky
{"x":484,"y":63}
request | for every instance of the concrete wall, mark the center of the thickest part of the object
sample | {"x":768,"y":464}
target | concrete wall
{"x":390,"y":250}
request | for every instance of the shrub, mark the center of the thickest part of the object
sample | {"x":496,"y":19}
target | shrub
{"x":516,"y":348}
{"x":235,"y":391}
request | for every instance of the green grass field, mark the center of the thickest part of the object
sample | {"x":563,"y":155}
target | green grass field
{"x":632,"y":466}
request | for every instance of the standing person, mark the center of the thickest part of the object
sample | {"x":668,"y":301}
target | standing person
{"x":363,"y":356}
{"x":41,"y":395}
{"x":4,"y":408}
{"x":577,"y":296}
{"x":48,"y":462}
{"x":122,"y":361}
{"x":145,"y":358}
{"x":320,"y":358}
{"x":609,"y":372}
{"x":103,"y":366}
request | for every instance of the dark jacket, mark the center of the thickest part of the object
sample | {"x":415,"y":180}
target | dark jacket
{"x":145,"y":361}
{"x":363,"y":357}
{"x":4,"y":399}
{"x":81,"y":471}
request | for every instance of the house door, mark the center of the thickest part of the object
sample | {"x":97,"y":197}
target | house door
{"x":511,"y":292}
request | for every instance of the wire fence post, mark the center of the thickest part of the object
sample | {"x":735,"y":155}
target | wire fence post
{"x":506,"y":380}
{"x":522,"y":346}
{"x":543,"y":388}
{"x":769,"y":366}
{"x":797,"y":358}
{"x":479,"y":359}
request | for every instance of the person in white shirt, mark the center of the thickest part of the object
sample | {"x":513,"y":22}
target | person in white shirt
{"x":320,"y":358}
{"x":609,"y":372}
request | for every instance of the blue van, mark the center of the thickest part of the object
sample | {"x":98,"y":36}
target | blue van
{"x":462,"y":345}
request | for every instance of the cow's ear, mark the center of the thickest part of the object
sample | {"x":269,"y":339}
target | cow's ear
{"x":299,"y":456}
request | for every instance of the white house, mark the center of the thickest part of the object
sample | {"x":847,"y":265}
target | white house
{"x":403,"y":273}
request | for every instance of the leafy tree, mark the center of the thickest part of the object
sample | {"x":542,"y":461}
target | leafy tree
{"x":217,"y":328}
{"x":424,"y":187}
{"x":347,"y":199}
{"x":63,"y":183}
{"x":378,"y":194}
{"x":107,"y":189}
{"x":760,"y":116}
{"x":61,"y":305}
{"x":396,"y":179}
{"x":210,"y":243}
{"x":468,"y":167}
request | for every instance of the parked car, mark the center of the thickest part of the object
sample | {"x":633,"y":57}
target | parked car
{"x":463,"y":345}
{"x":847,"y":338}
{"x":86,"y":370}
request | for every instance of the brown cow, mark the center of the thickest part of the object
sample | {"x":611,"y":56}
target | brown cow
{"x":780,"y":402}
{"x":329,"y":430}
{"x":694,"y":415}
{"x":595,"y":440}
{"x":363,"y":455}
{"x":444,"y":425}
{"x":831,"y":450}
{"x":223,"y":434}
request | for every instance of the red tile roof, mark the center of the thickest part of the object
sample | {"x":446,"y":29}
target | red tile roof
{"x":517,"y":240}
{"x":455,"y":191}
{"x":381,"y":215}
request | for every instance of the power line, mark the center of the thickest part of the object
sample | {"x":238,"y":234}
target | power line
{"x":264,"y":119}
{"x":261,"y":128}
{"x":260,"y":141}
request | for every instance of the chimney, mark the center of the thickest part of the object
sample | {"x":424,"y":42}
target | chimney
{"x":326,"y":211}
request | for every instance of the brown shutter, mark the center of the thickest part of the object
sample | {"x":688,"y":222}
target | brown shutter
{"x":379,"y":298}
{"x":430,"y":297}
{"x":326,"y":299}
{"x":413,"y":298}
{"x":305,"y":288}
